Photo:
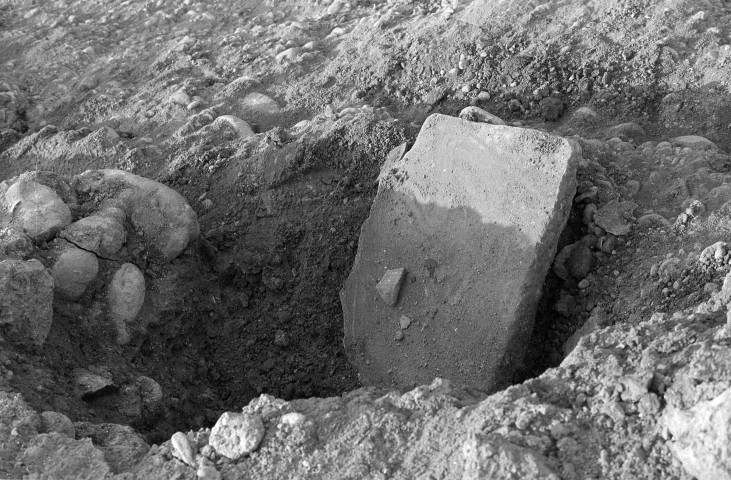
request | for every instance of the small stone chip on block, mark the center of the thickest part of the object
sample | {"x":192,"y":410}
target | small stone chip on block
{"x":390,"y":285}
{"x":473,"y":212}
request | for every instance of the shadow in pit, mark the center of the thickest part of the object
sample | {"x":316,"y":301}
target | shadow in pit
{"x":471,"y":293}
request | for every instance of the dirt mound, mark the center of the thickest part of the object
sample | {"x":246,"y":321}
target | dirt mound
{"x":272,"y":120}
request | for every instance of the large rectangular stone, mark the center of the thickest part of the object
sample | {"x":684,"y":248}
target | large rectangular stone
{"x":473,"y":212}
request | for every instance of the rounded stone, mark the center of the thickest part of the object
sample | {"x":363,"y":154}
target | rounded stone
{"x":580,"y":261}
{"x":58,"y":422}
{"x":101,"y":235}
{"x":236,"y":434}
{"x":126,"y":296}
{"x":73,"y":271}
{"x":37,"y":209}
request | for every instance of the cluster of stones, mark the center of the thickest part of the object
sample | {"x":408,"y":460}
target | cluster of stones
{"x":37,"y":214}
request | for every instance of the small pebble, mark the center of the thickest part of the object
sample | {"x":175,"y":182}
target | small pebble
{"x":208,"y":473}
{"x":182,"y":447}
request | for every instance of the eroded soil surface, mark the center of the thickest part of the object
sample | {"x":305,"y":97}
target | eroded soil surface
{"x":328,"y":90}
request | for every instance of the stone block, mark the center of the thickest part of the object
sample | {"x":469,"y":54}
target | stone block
{"x":473,"y":212}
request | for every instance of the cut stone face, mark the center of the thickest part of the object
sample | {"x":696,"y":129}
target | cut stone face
{"x":473,"y":212}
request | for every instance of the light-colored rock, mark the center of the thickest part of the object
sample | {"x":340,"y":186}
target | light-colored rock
{"x":26,"y":300}
{"x":592,"y":324}
{"x":473,"y":211}
{"x":54,"y":455}
{"x":701,"y":437}
{"x":390,"y":286}
{"x":36,"y":209}
{"x":99,"y":234}
{"x":615,"y":217}
{"x":236,"y":434}
{"x":126,"y":296}
{"x":182,"y":449}
{"x":163,"y":216}
{"x":73,"y":271}
{"x":476,"y":114}
{"x":696,"y":142}
{"x":242,"y":129}
{"x":89,"y":384}
{"x":486,"y":457}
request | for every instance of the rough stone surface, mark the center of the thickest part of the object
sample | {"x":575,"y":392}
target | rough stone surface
{"x":614,"y":217}
{"x":126,"y":296}
{"x":695,"y":142}
{"x":159,"y":212}
{"x":36,"y":209}
{"x":122,"y":447}
{"x":73,"y":271}
{"x":701,"y":439}
{"x":57,"y":456}
{"x":473,"y":212}
{"x":390,"y":286}
{"x":58,"y":422}
{"x":236,"y":434}
{"x":14,"y":244}
{"x":102,"y":235}
{"x":26,"y":300}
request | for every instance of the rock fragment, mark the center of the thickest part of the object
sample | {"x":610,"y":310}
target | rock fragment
{"x":701,"y":438}
{"x":58,"y":422}
{"x":182,"y":449}
{"x":481,"y":201}
{"x":36,"y":209}
{"x":73,"y":271}
{"x":696,"y":142}
{"x":236,"y":434}
{"x":476,"y":114}
{"x":163,"y":216}
{"x":390,"y":285}
{"x":26,"y":300}
{"x":90,"y":385}
{"x":99,"y":234}
{"x":614,"y":217}
{"x":126,"y":296}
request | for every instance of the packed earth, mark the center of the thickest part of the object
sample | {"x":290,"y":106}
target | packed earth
{"x":192,"y":194}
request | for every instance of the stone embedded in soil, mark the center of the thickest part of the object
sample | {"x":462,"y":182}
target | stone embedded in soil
{"x":486,"y":204}
{"x":486,"y":457}
{"x":236,"y":434}
{"x":123,"y":448}
{"x":54,"y":455}
{"x":126,"y":296}
{"x":58,"y":422}
{"x":580,"y":261}
{"x":700,"y":437}
{"x":26,"y":301}
{"x":90,"y":385}
{"x":390,"y":286}
{"x":73,"y":271}
{"x":96,"y":233}
{"x":476,"y":114}
{"x":36,"y":209}
{"x":242,"y":128}
{"x":614,"y":217}
{"x":14,"y":244}
{"x":163,"y":216}
{"x":182,"y":449}
{"x":696,"y":142}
